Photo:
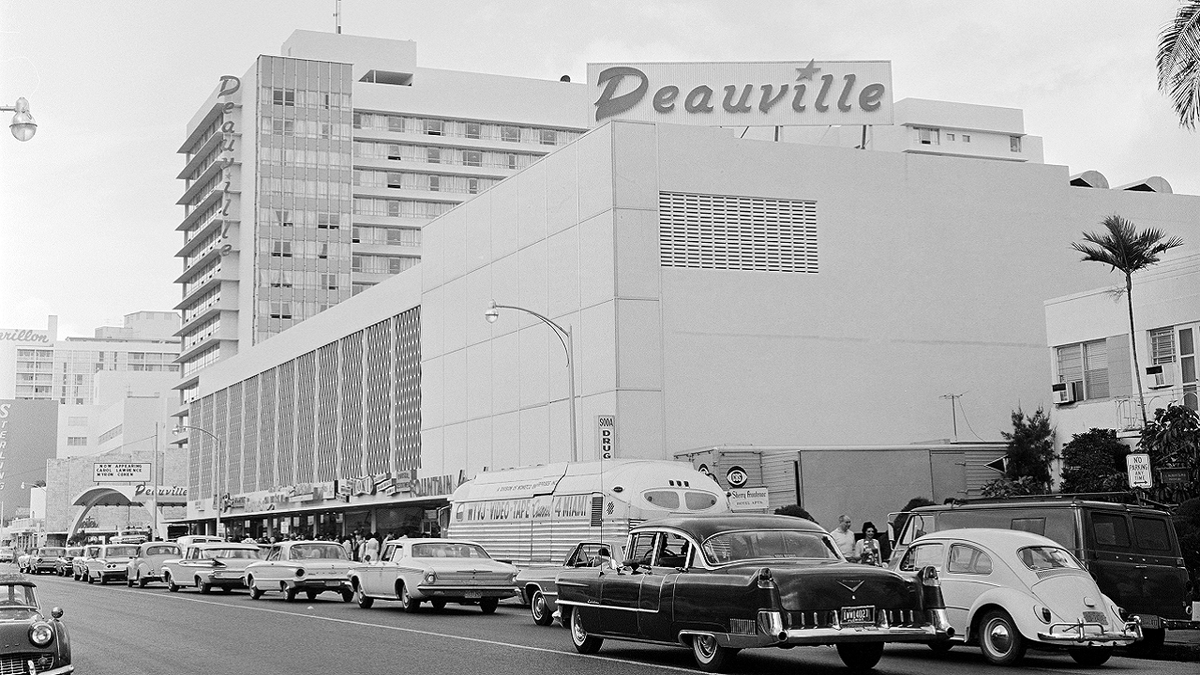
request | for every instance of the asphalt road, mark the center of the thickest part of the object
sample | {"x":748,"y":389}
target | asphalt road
{"x":121,"y":631}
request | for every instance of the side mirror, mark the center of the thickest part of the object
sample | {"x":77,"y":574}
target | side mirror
{"x":56,"y":612}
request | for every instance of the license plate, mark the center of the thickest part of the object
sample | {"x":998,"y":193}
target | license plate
{"x":333,"y":583}
{"x":1095,"y":617}
{"x":1150,"y":621}
{"x":474,"y":594}
{"x":861,"y":615}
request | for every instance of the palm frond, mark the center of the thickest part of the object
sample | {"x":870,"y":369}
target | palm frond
{"x":1179,"y":62}
{"x":1123,"y":247}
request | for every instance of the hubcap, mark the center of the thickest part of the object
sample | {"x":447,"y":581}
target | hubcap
{"x":706,"y":644}
{"x":539,"y":606}
{"x":1000,"y":638}
{"x":577,"y":630}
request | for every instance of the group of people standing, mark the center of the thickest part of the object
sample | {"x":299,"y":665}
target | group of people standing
{"x":865,"y":548}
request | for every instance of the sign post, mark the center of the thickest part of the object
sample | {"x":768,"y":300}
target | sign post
{"x":1140,"y":475}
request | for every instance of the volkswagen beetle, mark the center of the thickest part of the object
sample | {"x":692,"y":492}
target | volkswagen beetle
{"x":1007,"y":591}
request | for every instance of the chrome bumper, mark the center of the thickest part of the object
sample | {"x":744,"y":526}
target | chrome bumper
{"x":1083,"y":633}
{"x":436,"y":591}
{"x":771,"y":633}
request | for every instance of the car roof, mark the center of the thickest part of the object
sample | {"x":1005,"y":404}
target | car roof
{"x":1052,"y":501}
{"x":15,"y":579}
{"x":225,"y":544}
{"x":434,"y":540}
{"x":703,"y":526}
{"x":990,"y":537}
{"x":148,"y":544}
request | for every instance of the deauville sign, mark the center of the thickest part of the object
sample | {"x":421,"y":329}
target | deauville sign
{"x":744,"y":94}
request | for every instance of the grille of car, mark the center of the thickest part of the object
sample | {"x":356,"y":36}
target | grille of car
{"x":16,"y":664}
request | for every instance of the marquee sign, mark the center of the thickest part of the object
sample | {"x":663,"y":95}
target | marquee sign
{"x":118,"y":472}
{"x":743,"y":94}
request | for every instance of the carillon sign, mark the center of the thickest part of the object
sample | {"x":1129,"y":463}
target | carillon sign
{"x":743,"y":94}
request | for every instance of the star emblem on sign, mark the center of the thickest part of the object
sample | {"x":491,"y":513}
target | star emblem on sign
{"x":807,"y":72}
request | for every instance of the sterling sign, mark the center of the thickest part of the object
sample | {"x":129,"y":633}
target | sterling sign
{"x":743,"y":94}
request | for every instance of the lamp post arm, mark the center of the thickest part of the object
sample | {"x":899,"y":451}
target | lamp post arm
{"x":562,"y":333}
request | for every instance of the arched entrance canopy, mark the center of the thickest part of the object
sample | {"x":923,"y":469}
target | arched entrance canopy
{"x":118,"y":495}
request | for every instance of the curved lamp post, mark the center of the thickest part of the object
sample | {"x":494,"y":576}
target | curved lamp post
{"x":217,"y":463}
{"x":23,"y":127}
{"x":564,"y":336}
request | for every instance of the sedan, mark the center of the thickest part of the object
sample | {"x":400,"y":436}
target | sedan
{"x":110,"y":563}
{"x":79,"y":563}
{"x":722,"y":583}
{"x":1007,"y":591}
{"x":438,"y":570}
{"x":146,"y":565}
{"x":311,"y":567}
{"x":62,"y":567}
{"x":209,"y":565}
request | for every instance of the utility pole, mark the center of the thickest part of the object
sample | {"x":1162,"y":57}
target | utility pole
{"x":953,"y":411}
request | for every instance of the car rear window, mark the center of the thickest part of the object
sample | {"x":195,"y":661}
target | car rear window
{"x":122,"y":551}
{"x":162,"y":550}
{"x":54,"y":551}
{"x":1039,"y":558}
{"x":1110,"y":530}
{"x":754,"y":545}
{"x":1151,"y":534}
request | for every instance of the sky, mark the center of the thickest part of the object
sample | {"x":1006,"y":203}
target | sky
{"x":87,"y":207}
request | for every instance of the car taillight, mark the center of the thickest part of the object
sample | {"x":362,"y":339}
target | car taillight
{"x":299,"y":571}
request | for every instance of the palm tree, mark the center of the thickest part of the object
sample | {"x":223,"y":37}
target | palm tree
{"x":1179,"y":62}
{"x":1126,"y":249}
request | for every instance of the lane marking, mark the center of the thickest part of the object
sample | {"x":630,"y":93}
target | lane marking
{"x":414,"y":631}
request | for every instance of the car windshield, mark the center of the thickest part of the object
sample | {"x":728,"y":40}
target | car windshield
{"x":165,"y":549}
{"x":303,"y":551}
{"x":53,"y":551}
{"x":212,"y":553}
{"x":17,"y":595}
{"x":729,"y":547}
{"x":121,"y":551}
{"x":448,"y":551}
{"x":1038,"y":558}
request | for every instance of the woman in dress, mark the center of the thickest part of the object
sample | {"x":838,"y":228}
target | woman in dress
{"x":867,"y":548}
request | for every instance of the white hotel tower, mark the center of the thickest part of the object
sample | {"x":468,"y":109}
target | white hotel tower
{"x":308,"y":178}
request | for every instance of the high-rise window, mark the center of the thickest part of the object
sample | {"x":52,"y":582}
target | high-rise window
{"x":510,"y":134}
{"x":473,"y":129}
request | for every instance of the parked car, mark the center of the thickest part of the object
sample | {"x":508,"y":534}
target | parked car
{"x":30,"y":639}
{"x":210,"y":564}
{"x":79,"y":564}
{"x":1007,"y":591}
{"x":146,"y":565}
{"x":44,"y":559}
{"x":110,"y":563}
{"x":538,"y":589}
{"x":311,"y":567}
{"x":722,"y":583}
{"x":62,"y":566}
{"x":7,"y":554}
{"x":1132,"y":551}
{"x":438,"y":570}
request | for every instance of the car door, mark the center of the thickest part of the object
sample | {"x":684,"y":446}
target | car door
{"x":620,"y":593}
{"x":269,"y":571}
{"x":1112,"y":561}
{"x":967,"y":575}
{"x":380,"y":575}
{"x":655,"y":614}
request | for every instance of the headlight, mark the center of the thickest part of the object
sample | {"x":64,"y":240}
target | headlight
{"x":430,"y":577}
{"x":41,"y":634}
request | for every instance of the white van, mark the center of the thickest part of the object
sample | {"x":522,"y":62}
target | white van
{"x":535,"y":515}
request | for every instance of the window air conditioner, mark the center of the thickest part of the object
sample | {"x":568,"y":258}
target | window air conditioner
{"x":1061,"y":393}
{"x":1159,"y":374}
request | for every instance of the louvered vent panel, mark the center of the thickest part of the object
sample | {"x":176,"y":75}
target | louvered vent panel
{"x":737,"y":233}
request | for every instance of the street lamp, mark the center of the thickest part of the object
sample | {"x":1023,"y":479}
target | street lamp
{"x":23,"y":127}
{"x":564,"y":336}
{"x":217,"y":466}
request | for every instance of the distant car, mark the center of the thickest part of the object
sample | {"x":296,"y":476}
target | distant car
{"x":44,"y":559}
{"x":438,"y":570}
{"x":110,"y":563}
{"x":208,"y":565}
{"x":1007,"y":591}
{"x":311,"y":567}
{"x":29,"y":640}
{"x":722,"y":583}
{"x":62,"y":566}
{"x":538,"y":589}
{"x":146,"y":565}
{"x":7,"y":554}
{"x":79,"y":564}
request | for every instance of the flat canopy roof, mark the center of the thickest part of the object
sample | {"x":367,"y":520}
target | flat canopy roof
{"x":123,"y":495}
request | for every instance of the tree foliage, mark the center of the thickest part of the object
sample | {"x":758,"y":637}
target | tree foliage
{"x":1030,"y":452}
{"x":1172,"y":439}
{"x":1187,"y":526}
{"x":1179,"y":63}
{"x":1125,"y":249}
{"x":1094,"y":461}
{"x":796,"y":511}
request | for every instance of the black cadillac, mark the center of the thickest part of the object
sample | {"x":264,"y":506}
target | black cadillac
{"x":722,"y":583}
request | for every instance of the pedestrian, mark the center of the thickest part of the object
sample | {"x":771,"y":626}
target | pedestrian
{"x":348,"y":544}
{"x":844,"y":538}
{"x":866,"y":550}
{"x":372,"y":552}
